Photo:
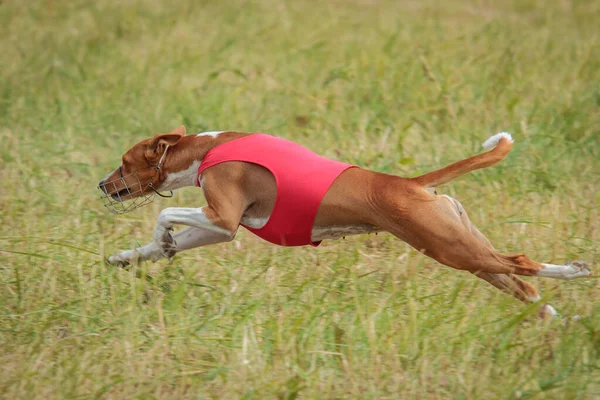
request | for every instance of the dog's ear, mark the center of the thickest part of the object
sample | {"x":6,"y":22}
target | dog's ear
{"x":158,"y":144}
{"x":180,"y":130}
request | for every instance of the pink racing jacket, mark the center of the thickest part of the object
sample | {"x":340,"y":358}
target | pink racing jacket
{"x":302,"y":177}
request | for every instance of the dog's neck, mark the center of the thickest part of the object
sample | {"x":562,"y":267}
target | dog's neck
{"x":182,"y":178}
{"x":180,"y":168}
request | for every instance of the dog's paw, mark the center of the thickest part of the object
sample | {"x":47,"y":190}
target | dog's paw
{"x":117,"y":261}
{"x":167,"y":244}
{"x":578,"y":269}
{"x":123,"y":259}
{"x":547,"y":312}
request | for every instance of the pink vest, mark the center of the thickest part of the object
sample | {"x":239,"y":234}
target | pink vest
{"x":302,"y":177}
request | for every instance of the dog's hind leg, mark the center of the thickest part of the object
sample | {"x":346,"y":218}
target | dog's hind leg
{"x":434,"y":225}
{"x":512,"y":285}
{"x":508,"y":283}
{"x":439,"y":227}
{"x":518,"y":288}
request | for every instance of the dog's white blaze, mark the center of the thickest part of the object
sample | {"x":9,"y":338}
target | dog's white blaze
{"x":567,"y":272}
{"x":187,"y":177}
{"x":492,"y":141}
{"x":255,"y":223}
{"x":211,"y":134}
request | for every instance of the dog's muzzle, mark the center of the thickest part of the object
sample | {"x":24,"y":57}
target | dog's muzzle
{"x":121,"y":197}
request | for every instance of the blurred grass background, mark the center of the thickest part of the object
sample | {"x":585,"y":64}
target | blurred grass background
{"x":398,"y":87}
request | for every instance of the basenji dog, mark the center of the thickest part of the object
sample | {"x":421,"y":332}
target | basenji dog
{"x":290,"y":196}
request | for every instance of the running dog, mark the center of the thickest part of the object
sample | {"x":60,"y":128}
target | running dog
{"x":290,"y":196}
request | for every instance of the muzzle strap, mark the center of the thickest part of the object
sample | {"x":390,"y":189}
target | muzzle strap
{"x":159,"y":193}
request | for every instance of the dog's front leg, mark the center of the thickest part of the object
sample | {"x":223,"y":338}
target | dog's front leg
{"x":201,"y":232}
{"x":195,"y":217}
{"x":184,"y":239}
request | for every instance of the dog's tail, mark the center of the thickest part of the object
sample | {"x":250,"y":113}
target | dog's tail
{"x":500,"y":145}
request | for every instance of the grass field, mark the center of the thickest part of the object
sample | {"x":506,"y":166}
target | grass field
{"x":402,"y":87}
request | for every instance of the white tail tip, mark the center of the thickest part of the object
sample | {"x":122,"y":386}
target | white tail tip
{"x":493,"y":140}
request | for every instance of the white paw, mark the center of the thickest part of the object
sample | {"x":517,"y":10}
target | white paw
{"x":123,"y":258}
{"x":547,"y":312}
{"x":578,"y":269}
{"x":572,"y":270}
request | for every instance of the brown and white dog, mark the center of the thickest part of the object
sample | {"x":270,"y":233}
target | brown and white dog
{"x":358,"y":201}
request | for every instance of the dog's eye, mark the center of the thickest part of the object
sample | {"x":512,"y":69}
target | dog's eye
{"x":124,"y":165}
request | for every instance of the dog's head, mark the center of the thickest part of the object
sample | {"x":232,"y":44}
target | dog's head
{"x":138,"y":176}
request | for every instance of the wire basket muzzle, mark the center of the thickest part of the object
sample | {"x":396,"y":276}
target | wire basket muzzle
{"x":121,"y":197}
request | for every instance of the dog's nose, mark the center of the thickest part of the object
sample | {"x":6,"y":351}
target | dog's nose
{"x":101,"y":186}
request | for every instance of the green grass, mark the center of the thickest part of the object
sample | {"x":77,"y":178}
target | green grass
{"x":398,"y":87}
